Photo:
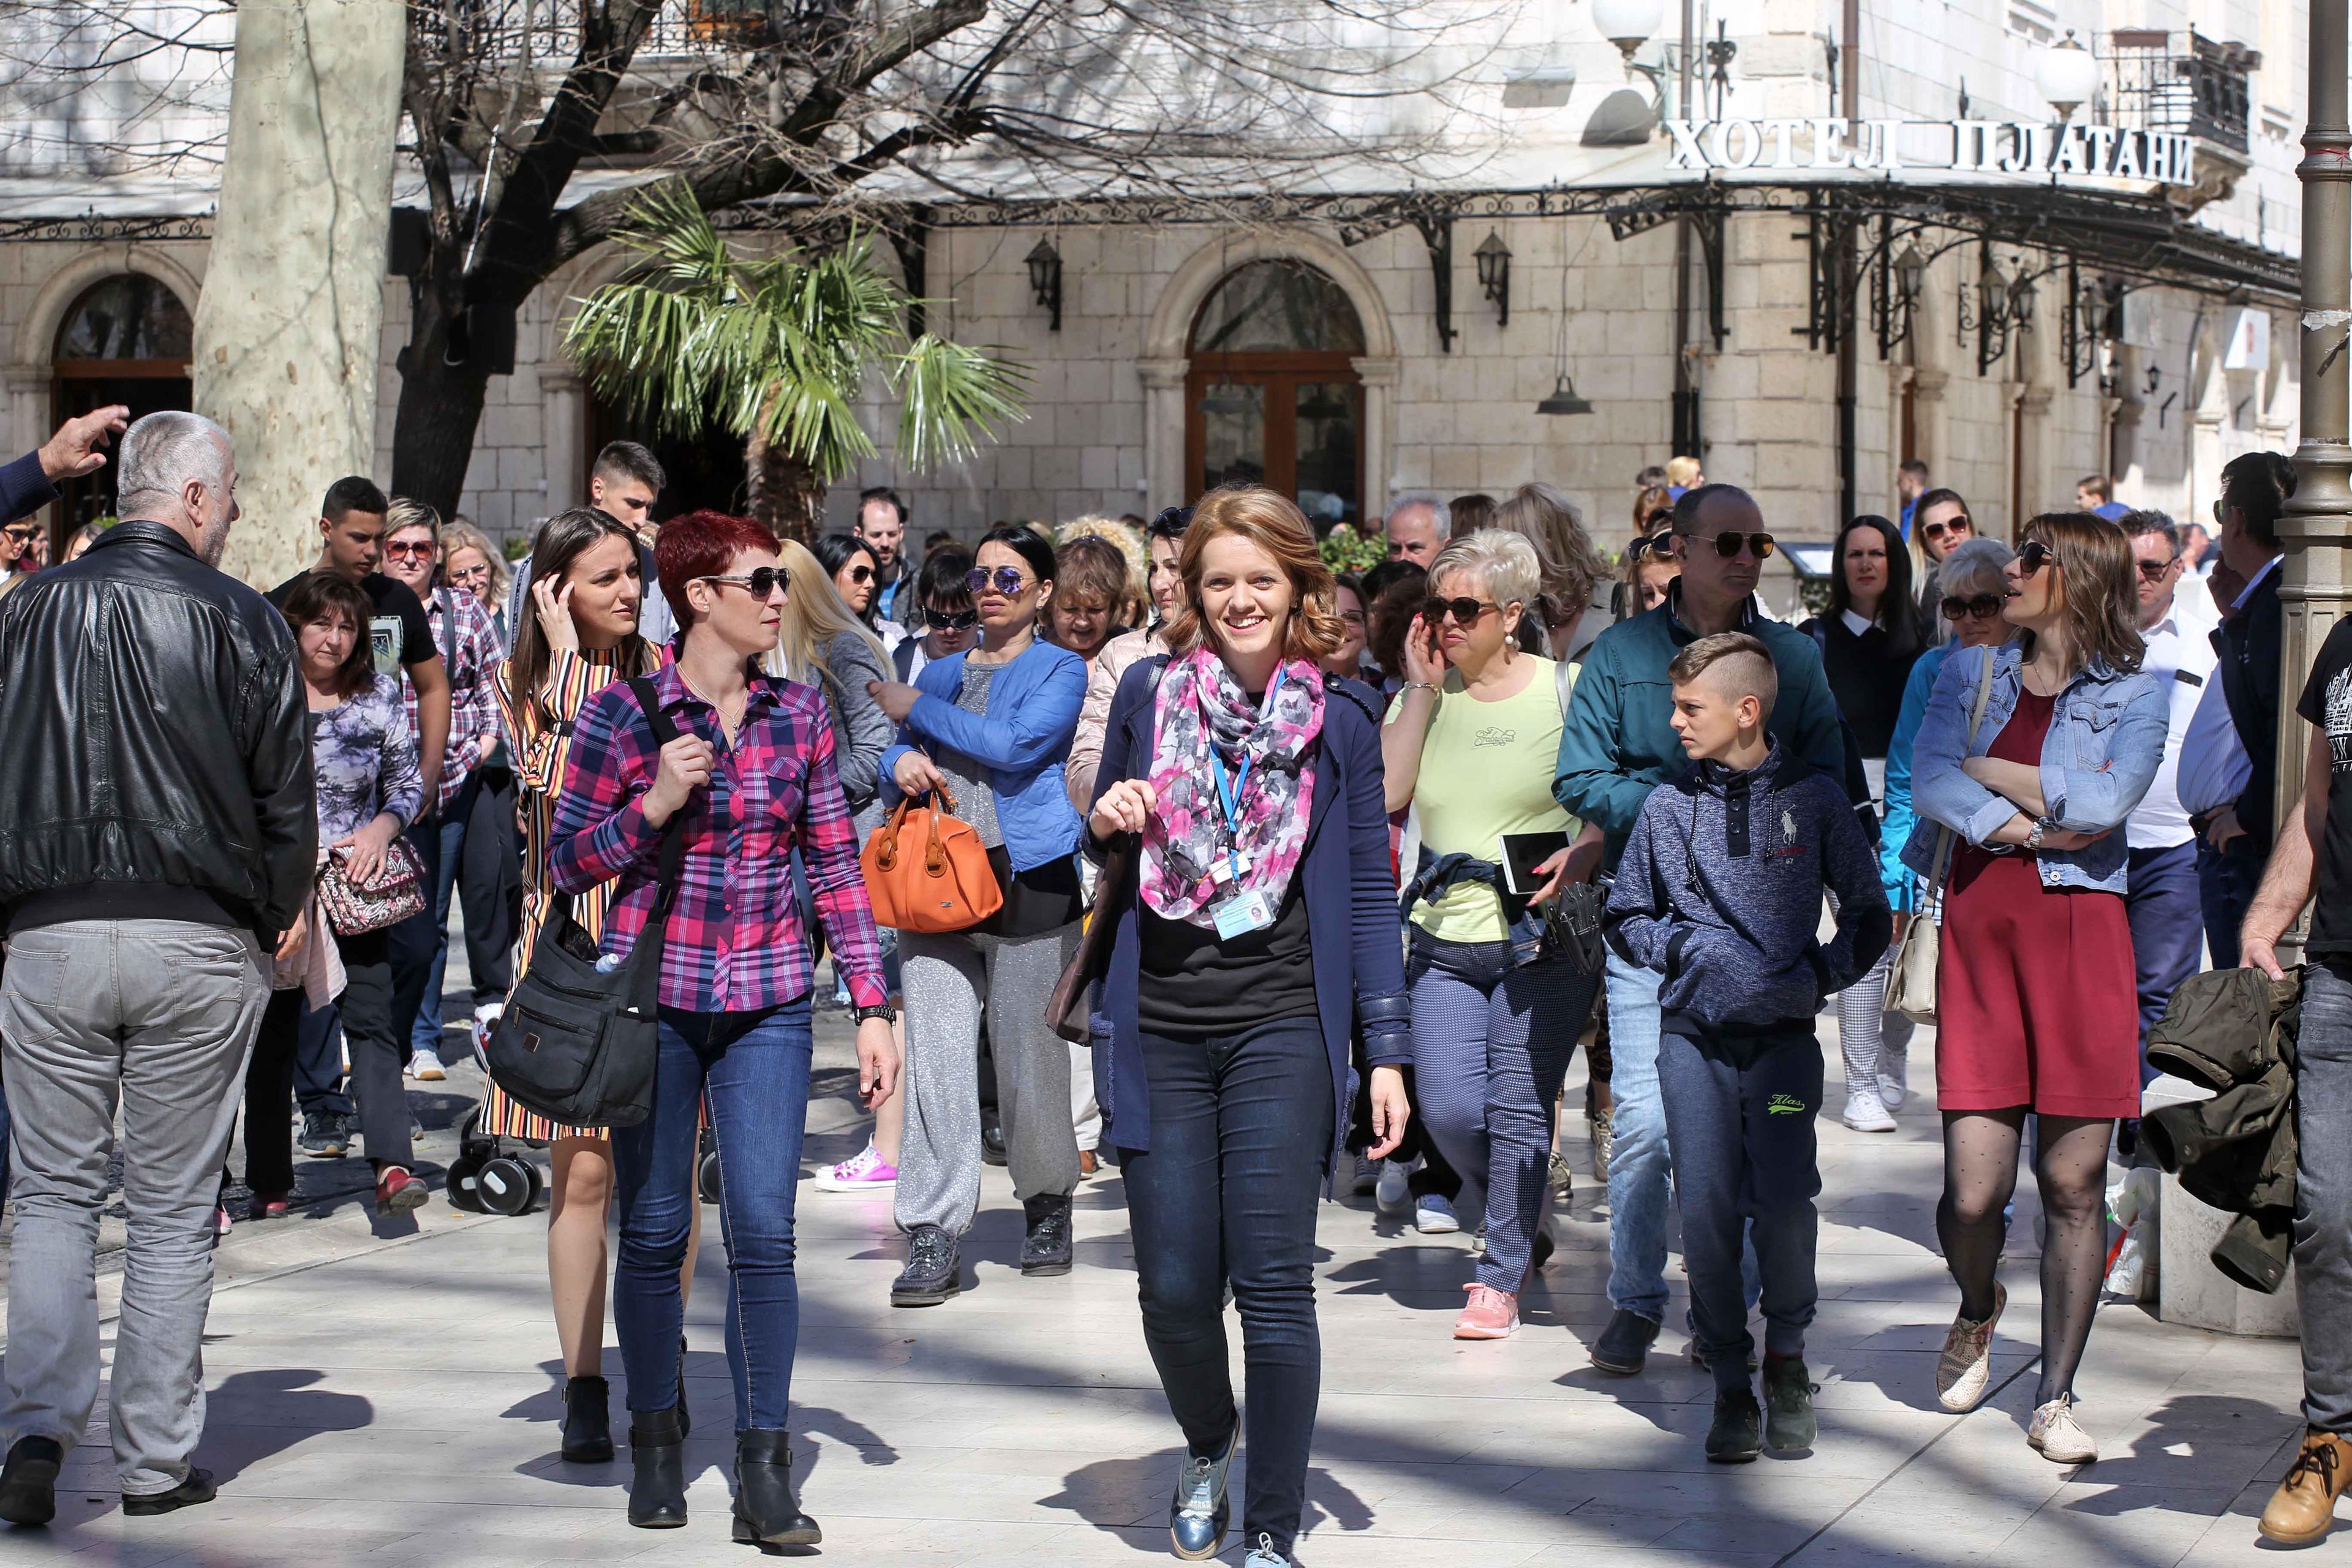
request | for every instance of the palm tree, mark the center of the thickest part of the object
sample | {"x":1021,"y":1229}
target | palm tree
{"x":775,"y":349}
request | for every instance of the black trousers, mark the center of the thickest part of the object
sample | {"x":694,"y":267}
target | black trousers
{"x":377,"y":1050}
{"x":270,"y":1095}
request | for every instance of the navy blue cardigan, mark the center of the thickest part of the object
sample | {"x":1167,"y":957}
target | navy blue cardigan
{"x":1350,"y":893}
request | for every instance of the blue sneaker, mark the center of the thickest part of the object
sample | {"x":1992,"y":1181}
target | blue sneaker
{"x":1198,"y":1515}
{"x":1264,"y":1555}
{"x":1432,"y":1216}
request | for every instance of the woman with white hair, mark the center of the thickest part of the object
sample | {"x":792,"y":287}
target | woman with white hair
{"x":1472,"y":743}
{"x":1568,"y":570}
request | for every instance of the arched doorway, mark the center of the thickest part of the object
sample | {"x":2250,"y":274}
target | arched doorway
{"x":1271,"y":395}
{"x":126,"y":339}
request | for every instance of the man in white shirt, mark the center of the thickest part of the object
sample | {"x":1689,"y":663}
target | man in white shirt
{"x":2161,"y":902}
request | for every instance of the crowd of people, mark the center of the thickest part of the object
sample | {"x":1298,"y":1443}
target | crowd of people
{"x":1343,"y":866}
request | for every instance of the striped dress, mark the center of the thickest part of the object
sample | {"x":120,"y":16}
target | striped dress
{"x":539,"y":736}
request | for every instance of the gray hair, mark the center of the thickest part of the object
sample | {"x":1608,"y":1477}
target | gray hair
{"x":2136,"y":523}
{"x":163,"y":451}
{"x":1439,"y":507}
{"x":1506,"y":559}
{"x":1974,"y":564}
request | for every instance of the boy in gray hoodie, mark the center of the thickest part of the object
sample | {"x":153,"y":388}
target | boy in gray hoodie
{"x":1720,"y":891}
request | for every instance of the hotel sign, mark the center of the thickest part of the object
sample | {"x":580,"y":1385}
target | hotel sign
{"x":1895,"y":147}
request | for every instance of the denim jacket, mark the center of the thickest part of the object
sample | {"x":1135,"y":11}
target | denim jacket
{"x":2105,"y":738}
{"x":1024,"y":741}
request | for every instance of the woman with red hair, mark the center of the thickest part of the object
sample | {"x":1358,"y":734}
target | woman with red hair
{"x":750,"y":775}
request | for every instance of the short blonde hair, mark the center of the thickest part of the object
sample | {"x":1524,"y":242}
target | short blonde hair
{"x":463,"y":535}
{"x":1682,"y":472}
{"x":1506,"y":560}
{"x":405,"y":513}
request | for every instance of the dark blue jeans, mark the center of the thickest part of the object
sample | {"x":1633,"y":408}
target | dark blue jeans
{"x":2225,"y":885}
{"x":2167,"y":931}
{"x":1739,"y":1129}
{"x":414,"y":942}
{"x":482,"y":863}
{"x":754,"y":1069}
{"x":319,"y":1086}
{"x":1240,"y":1128}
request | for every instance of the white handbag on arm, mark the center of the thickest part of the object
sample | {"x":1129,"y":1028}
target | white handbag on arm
{"x":1911,"y":981}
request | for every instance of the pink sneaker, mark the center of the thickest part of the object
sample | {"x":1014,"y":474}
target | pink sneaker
{"x":1492,"y":1314}
{"x":864,"y":1173}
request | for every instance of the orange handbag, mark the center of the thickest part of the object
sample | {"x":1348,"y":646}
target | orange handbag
{"x":927,"y":871}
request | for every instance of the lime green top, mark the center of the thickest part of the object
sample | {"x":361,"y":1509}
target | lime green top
{"x":1486,"y":769}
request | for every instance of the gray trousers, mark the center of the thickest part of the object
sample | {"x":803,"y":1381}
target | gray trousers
{"x":156,"y":1017}
{"x":948,"y":979}
{"x":2323,"y":1198}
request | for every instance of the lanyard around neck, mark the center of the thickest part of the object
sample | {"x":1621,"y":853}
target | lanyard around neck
{"x":1229,"y":793}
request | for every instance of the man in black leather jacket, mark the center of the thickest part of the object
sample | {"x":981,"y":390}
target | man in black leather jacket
{"x":157,"y":842}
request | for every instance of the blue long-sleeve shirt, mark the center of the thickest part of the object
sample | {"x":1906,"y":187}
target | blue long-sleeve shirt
{"x":1898,"y":879}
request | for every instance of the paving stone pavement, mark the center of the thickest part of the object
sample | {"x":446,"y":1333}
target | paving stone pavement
{"x":386,"y":1395}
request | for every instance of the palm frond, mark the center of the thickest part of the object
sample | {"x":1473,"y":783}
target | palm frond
{"x":952,"y":397}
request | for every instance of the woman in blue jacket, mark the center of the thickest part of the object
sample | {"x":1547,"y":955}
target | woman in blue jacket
{"x":2037,"y":1008}
{"x":992,"y":727}
{"x":1256,"y":931}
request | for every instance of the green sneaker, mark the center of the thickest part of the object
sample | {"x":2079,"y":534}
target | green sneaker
{"x":1789,"y":1423}
{"x":1733,"y":1439}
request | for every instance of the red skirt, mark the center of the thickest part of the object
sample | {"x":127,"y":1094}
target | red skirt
{"x":2036,"y":1001}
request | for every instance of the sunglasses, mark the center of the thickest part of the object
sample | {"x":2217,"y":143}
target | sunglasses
{"x":412,"y":550}
{"x":861,"y":573}
{"x":1465,"y":612}
{"x":1938,"y":530}
{"x":2154,"y":571}
{"x":1655,"y":544}
{"x":1984,"y":606}
{"x":1007,"y":580}
{"x":761,"y":580}
{"x":962,"y":621}
{"x":1728,"y":545}
{"x":2032,"y":555}
{"x":24,"y":535}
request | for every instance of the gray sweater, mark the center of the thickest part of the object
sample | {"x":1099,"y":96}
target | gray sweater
{"x":1720,"y":891}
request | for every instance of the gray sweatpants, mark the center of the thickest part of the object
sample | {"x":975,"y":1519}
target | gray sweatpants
{"x":948,"y":979}
{"x":157,"y":1017}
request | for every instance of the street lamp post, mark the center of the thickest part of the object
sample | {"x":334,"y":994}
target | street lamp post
{"x":2317,"y":527}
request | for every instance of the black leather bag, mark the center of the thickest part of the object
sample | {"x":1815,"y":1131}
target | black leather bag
{"x":577,"y":1046}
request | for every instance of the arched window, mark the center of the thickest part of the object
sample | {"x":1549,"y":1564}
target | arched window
{"x":127,"y":340}
{"x":1273,"y":396}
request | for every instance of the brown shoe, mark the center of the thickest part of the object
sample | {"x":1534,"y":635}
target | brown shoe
{"x":1087,"y":1163}
{"x":2303,"y":1508}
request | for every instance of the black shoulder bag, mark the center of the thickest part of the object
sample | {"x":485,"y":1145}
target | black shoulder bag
{"x":576,"y":1044}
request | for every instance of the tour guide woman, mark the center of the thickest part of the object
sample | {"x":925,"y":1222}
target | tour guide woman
{"x":2036,"y":1005}
{"x":1262,"y":935}
{"x":753,"y":768}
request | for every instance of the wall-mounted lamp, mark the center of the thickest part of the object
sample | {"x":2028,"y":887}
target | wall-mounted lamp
{"x":1046,"y":279}
{"x":1494,"y":274}
{"x":2155,"y":378}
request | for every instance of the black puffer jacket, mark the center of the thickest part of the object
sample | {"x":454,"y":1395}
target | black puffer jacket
{"x":156,"y":736}
{"x":2233,"y":1031}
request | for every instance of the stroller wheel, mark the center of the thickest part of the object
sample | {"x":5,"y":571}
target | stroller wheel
{"x":538,"y":1183}
{"x":505,"y":1184}
{"x":707,"y":1177}
{"x":465,"y":1182}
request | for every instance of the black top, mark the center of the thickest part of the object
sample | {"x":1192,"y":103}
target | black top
{"x":2328,"y":703}
{"x":1193,"y":987}
{"x":1866,"y":677}
{"x":2248,"y":643}
{"x":399,"y":633}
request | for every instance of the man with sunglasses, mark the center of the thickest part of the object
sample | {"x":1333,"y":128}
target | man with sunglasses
{"x":1617,"y":745}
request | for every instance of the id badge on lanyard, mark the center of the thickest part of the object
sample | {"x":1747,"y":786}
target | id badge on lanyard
{"x":1238,"y":913}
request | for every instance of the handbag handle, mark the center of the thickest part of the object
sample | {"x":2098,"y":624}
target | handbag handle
{"x":1944,"y":835}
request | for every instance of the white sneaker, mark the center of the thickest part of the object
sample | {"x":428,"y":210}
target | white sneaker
{"x":1432,"y":1216}
{"x":2058,"y":1437}
{"x":1865,"y":1113}
{"x":1391,"y":1193}
{"x":425,"y":1066}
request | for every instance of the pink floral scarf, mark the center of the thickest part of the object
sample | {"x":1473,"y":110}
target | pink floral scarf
{"x":1201,"y":705}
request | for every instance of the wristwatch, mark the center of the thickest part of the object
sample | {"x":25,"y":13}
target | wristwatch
{"x":887,"y":1013}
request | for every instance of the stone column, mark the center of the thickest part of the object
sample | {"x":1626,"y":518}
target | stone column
{"x":29,"y":408}
{"x":289,"y":326}
{"x":1163,"y":431}
{"x":565,"y":414}
{"x":1380,"y":378}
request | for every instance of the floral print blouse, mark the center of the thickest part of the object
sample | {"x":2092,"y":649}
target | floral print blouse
{"x":364,"y":758}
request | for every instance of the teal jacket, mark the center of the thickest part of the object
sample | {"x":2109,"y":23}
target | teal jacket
{"x":1617,"y":743}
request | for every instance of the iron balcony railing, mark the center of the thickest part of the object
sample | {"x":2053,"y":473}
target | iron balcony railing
{"x":2183,"y":83}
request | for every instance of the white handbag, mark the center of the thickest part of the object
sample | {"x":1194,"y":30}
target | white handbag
{"x":1911,"y":980}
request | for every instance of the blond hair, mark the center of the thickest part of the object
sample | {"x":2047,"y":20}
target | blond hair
{"x":463,"y":535}
{"x":814,"y":614}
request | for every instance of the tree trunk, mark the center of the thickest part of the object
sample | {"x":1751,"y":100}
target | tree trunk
{"x":440,"y":408}
{"x":785,"y":494}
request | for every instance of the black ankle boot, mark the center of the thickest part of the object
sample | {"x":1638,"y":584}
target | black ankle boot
{"x":587,"y":1420}
{"x":766,"y":1513}
{"x":684,"y":1417}
{"x":1047,"y":1247}
{"x":657,"y":1452}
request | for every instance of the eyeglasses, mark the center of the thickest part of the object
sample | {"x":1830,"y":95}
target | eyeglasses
{"x":2154,"y":571}
{"x":962,"y":621}
{"x":414,"y":550}
{"x":1353,"y":617}
{"x":2032,"y":555}
{"x":1008,"y":581}
{"x":861,"y":573}
{"x":1729,"y":543}
{"x":1465,"y":612}
{"x":761,"y":580}
{"x":1983,"y":606}
{"x":1938,"y":530}
{"x":477,"y":572}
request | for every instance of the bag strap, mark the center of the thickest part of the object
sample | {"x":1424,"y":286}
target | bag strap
{"x":1944,"y":835}
{"x":1564,"y":683}
{"x":645,"y":971}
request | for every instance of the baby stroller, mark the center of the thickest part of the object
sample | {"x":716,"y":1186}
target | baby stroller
{"x":487,"y":1178}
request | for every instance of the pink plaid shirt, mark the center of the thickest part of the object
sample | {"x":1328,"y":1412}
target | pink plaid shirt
{"x":470,"y":654}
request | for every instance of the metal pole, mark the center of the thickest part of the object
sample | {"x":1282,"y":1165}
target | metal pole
{"x":1849,"y":278}
{"x":1685,"y":437}
{"x":2317,"y":526}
